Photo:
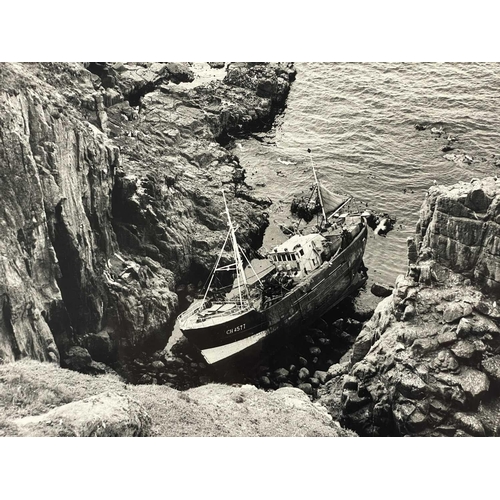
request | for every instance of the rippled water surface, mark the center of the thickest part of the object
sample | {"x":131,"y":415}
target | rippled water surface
{"x":359,"y":121}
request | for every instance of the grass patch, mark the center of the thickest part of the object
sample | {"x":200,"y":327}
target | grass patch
{"x":31,"y":388}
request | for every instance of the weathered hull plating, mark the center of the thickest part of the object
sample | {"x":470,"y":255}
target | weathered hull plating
{"x":325,"y":288}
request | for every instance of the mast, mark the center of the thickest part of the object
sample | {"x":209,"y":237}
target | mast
{"x":317,"y":186}
{"x":240,"y":272}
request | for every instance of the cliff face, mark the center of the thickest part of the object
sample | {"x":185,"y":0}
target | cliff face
{"x":427,"y":362}
{"x":460,"y":229}
{"x":108,"y":207}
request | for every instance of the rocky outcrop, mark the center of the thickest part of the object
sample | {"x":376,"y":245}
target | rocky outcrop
{"x":459,"y":228}
{"x":111,"y":183}
{"x":426,"y":362}
{"x":267,"y":80}
{"x":105,"y":415}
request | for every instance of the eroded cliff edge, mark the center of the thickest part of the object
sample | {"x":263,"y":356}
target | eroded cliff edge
{"x":111,"y":179}
{"x":427,"y":362}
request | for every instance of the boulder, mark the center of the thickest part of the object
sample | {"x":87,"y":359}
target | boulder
{"x":456,"y":310}
{"x":307,"y":388}
{"x":303,"y":374}
{"x":381,"y":290}
{"x":474,"y":383}
{"x":315,"y":351}
{"x":477,"y":325}
{"x":281,"y":372}
{"x":491,"y":366}
{"x":469,"y":423}
{"x":411,"y":386}
{"x":321,"y":376}
{"x":100,"y":346}
{"x":302,"y":361}
{"x":447,"y":336}
{"x":314,"y":382}
{"x":78,"y":359}
{"x":157,"y":365}
{"x":466,"y":349}
{"x":104,"y":415}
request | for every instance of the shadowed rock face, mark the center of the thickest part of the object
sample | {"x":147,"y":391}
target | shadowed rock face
{"x":427,"y":361}
{"x":107,"y":207}
{"x":459,"y":228}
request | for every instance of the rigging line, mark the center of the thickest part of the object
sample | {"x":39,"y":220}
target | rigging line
{"x":317,"y":186}
{"x":250,"y":264}
{"x":240,"y":273}
{"x":215,"y":267}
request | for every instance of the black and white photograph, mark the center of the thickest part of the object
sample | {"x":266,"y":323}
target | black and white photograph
{"x":298,"y":249}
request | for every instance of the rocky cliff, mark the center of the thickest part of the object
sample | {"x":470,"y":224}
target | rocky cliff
{"x":111,"y":179}
{"x":427,"y":362}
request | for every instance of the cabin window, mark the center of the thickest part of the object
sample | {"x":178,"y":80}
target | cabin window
{"x":301,"y":251}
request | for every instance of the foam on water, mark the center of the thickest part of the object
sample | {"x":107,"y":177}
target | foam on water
{"x":359,"y":121}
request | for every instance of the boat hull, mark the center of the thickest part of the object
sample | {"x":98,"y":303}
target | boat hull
{"x":334,"y":281}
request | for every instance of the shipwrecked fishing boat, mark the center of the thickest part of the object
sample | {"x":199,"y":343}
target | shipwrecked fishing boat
{"x":307,"y":275}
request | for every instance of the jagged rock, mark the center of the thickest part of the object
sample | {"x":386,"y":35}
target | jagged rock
{"x":412,"y":377}
{"x":449,"y":221}
{"x":491,"y":367}
{"x":409,"y":312}
{"x":411,"y":385}
{"x":488,"y":307}
{"x":473,"y":382}
{"x":350,"y":383}
{"x":447,"y":336}
{"x":477,"y":325}
{"x":411,"y":250}
{"x":455,"y":311}
{"x":338,"y":369}
{"x":467,"y":349}
{"x":217,"y":65}
{"x":79,"y":249}
{"x":104,"y":415}
{"x":469,"y":423}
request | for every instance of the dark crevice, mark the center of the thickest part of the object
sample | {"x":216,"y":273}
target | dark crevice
{"x":78,"y":287}
{"x":134,"y":97}
{"x":7,"y":321}
{"x":60,"y":326}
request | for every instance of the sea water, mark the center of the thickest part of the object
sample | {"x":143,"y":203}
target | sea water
{"x":358,"y":120}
